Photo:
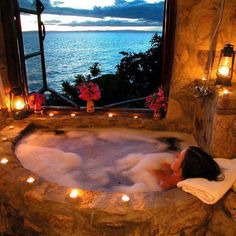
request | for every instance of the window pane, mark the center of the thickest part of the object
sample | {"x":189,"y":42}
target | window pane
{"x":29,"y":4}
{"x":34,"y":73}
{"x":122,"y":37}
{"x":29,"y":27}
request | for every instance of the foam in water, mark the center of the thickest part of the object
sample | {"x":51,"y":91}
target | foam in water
{"x":114,"y":159}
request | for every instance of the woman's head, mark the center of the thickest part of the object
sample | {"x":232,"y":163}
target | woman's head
{"x":196,"y":163}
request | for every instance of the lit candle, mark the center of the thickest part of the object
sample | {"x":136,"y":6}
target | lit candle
{"x":226,"y":91}
{"x":30,"y":180}
{"x":11,"y":127}
{"x":74,"y":193}
{"x":19,"y":104}
{"x":4,"y":161}
{"x":4,"y":139}
{"x":110,"y":115}
{"x":125,"y":198}
{"x":203,"y":79}
{"x":135,"y":117}
{"x":51,"y":114}
{"x":73,"y":115}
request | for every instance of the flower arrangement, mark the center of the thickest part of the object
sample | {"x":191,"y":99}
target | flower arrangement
{"x":36,"y":100}
{"x":157,"y":102}
{"x":89,"y":91}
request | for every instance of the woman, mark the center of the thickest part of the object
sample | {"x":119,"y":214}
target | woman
{"x":191,"y":162}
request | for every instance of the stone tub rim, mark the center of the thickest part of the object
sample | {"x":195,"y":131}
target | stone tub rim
{"x":143,"y":207}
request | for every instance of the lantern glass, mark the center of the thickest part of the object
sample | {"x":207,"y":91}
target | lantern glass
{"x":225,"y":67}
{"x":18,"y":103}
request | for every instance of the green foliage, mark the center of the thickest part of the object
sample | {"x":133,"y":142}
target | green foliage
{"x":95,"y":70}
{"x":139,"y":72}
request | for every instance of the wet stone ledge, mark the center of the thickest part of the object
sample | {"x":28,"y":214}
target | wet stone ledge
{"x":44,"y":208}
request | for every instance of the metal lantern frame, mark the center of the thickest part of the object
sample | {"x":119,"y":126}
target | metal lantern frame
{"x":20,"y":113}
{"x":226,"y":53}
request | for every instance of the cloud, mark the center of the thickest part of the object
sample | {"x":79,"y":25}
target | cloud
{"x":57,"y":3}
{"x":148,"y":14}
{"x":110,"y":23}
{"x":52,"y":22}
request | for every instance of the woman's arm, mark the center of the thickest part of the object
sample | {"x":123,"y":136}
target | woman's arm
{"x":169,"y":182}
{"x":166,"y":178}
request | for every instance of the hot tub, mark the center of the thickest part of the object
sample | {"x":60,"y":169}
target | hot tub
{"x":33,"y":204}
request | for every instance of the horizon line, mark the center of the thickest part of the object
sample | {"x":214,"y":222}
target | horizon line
{"x":133,"y":30}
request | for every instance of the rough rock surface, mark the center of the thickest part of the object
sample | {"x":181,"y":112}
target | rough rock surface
{"x":45,"y":209}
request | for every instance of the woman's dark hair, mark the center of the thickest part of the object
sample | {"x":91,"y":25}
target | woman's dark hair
{"x":199,"y":164}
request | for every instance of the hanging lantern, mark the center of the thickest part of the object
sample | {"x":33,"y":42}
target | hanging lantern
{"x":18,"y":103}
{"x":225,"y":67}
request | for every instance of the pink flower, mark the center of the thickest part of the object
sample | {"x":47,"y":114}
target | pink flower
{"x":157,"y":101}
{"x":89,"y":91}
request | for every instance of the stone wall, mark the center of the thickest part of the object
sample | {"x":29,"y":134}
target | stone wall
{"x":195,"y":24}
{"x":215,"y":123}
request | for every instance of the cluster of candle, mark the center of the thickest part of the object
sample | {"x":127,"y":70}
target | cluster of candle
{"x":4,"y":161}
{"x":110,"y":115}
{"x":74,"y":193}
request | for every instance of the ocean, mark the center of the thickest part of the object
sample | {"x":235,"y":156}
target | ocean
{"x":70,"y":53}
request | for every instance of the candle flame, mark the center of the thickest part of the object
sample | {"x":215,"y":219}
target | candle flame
{"x":19,"y":104}
{"x":30,"y":180}
{"x":74,"y":193}
{"x":4,"y":161}
{"x":125,"y":198}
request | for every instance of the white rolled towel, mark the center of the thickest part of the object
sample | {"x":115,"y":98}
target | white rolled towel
{"x":211,"y":191}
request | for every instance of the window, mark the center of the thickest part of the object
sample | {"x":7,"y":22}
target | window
{"x":131,"y":77}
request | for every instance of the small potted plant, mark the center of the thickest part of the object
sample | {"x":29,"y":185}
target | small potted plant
{"x":158,"y":103}
{"x":89,"y":92}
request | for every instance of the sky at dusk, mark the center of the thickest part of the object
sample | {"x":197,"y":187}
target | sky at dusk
{"x":80,"y":15}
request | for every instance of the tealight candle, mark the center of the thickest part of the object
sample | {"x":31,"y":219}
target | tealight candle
{"x":74,"y":193}
{"x":4,"y":161}
{"x":11,"y":127}
{"x":110,"y":115}
{"x":51,"y":114}
{"x":72,"y":115}
{"x":226,"y":91}
{"x":135,"y":117}
{"x":125,"y":198}
{"x":30,"y":180}
{"x":4,"y":139}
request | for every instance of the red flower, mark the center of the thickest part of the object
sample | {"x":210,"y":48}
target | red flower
{"x":89,"y":91}
{"x":36,"y":100}
{"x":157,"y":101}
